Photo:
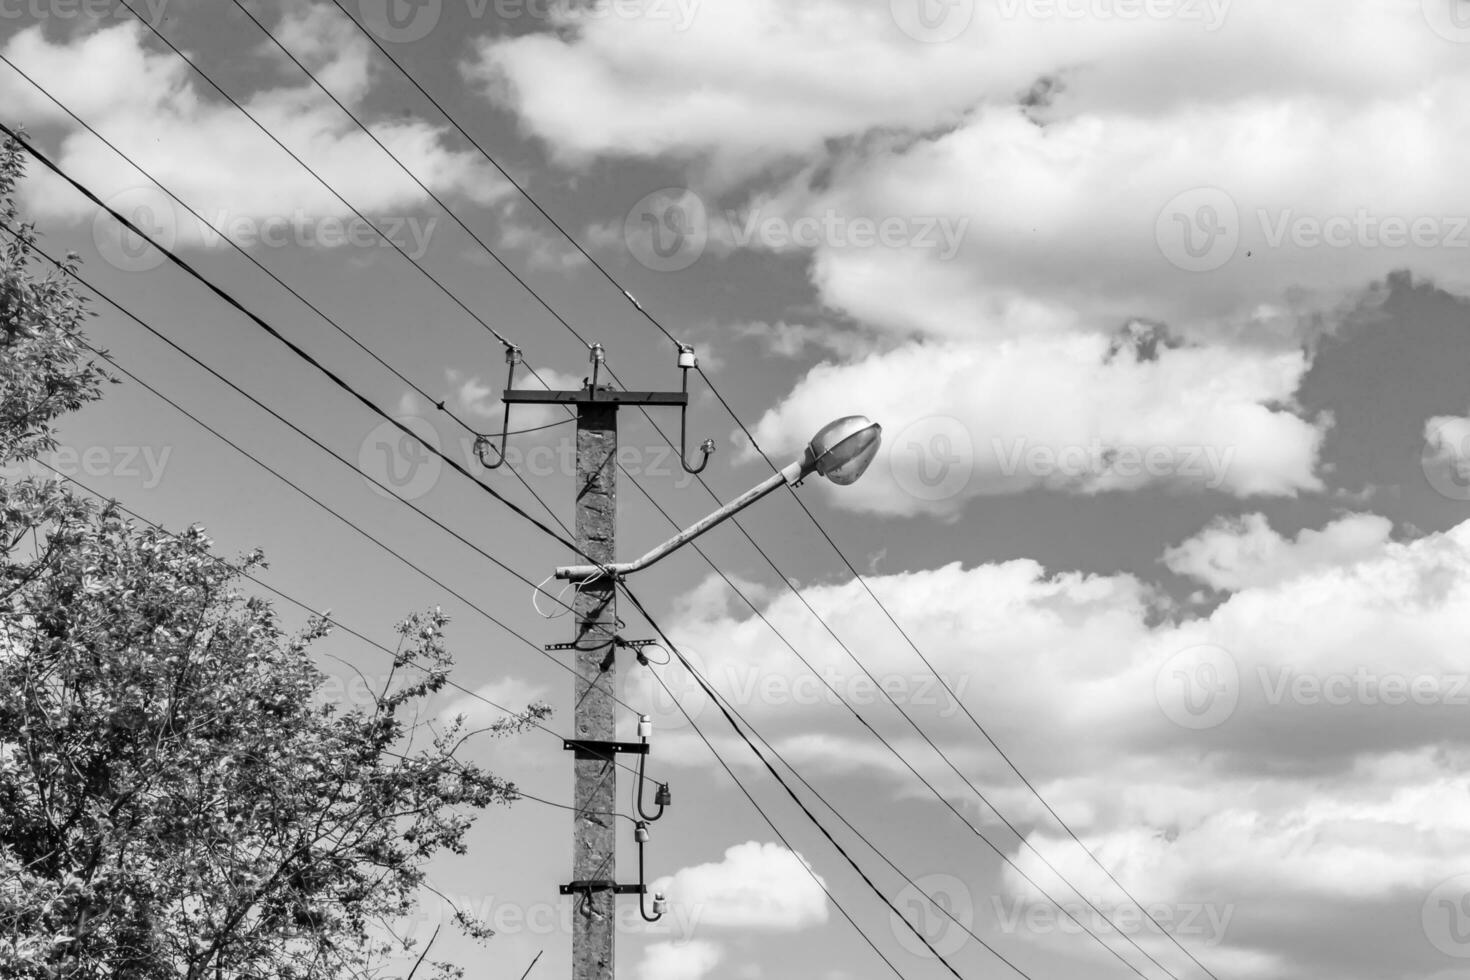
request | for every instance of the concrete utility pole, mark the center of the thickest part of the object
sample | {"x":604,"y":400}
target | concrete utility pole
{"x":594,"y":887}
{"x":840,"y":452}
{"x":595,"y":795}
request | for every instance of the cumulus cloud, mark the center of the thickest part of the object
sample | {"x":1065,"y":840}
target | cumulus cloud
{"x":1040,"y":183}
{"x":1065,"y":413}
{"x":153,"y":108}
{"x":1298,"y":751}
{"x":1234,"y":554}
{"x":756,"y":886}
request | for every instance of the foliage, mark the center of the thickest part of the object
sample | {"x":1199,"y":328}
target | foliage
{"x":175,"y":798}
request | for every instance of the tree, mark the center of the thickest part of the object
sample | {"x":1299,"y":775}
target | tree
{"x":175,"y":798}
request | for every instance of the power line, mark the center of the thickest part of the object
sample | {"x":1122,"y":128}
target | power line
{"x":922,"y":779}
{"x":770,"y":823}
{"x":496,"y":164}
{"x":978,"y":726}
{"x":298,"y":351}
{"x":789,"y":791}
{"x":522,"y":513}
{"x":306,"y":607}
{"x":491,"y":252}
{"x":231,"y":99}
{"x":319,"y":445}
{"x":404,"y":167}
{"x":746,"y":431}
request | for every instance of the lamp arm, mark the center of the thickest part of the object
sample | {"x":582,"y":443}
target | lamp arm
{"x":792,"y":474}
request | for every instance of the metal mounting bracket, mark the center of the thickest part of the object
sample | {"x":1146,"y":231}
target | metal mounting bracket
{"x":606,"y":749}
{"x":601,"y":885}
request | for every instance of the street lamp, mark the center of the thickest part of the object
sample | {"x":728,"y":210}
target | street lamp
{"x":840,"y":451}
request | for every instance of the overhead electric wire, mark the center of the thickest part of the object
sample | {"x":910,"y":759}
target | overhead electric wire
{"x":568,"y":326}
{"x":491,"y":252}
{"x":404,"y":167}
{"x":304,"y":355}
{"x":496,"y":164}
{"x":304,"y":606}
{"x":248,"y":115}
{"x":826,"y":889}
{"x":440,"y":404}
{"x":746,"y":431}
{"x":319,"y":445}
{"x":775,"y":774}
{"x":230,"y":301}
{"x":999,"y":852}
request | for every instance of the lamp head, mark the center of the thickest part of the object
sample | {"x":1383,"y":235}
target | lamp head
{"x":842,"y":450}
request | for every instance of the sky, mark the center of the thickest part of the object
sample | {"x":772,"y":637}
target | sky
{"x":1160,"y":304}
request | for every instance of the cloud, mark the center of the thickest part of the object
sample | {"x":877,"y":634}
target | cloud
{"x":1234,"y":554}
{"x":151,"y":106}
{"x":679,"y":961}
{"x":512,"y":692}
{"x":1296,"y":753}
{"x":757,"y":886}
{"x":481,"y":399}
{"x":1040,"y":185}
{"x":1067,"y":413}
